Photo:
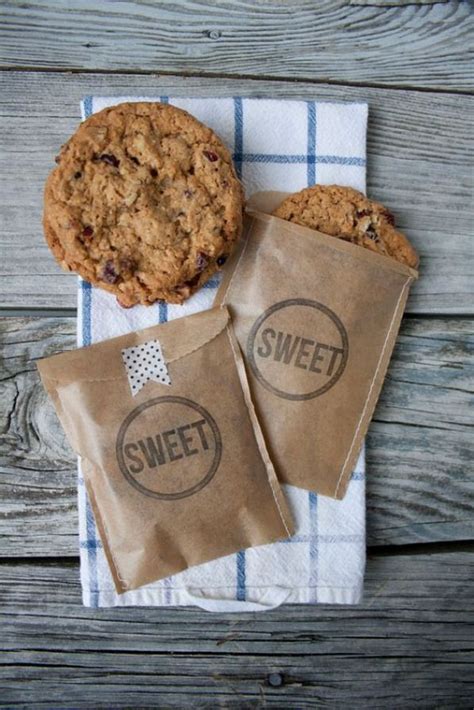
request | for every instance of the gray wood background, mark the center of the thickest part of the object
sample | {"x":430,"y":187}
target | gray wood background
{"x":410,"y":644}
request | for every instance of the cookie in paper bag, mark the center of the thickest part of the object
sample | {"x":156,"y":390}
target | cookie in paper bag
{"x":316,"y":319}
{"x":348,"y":214}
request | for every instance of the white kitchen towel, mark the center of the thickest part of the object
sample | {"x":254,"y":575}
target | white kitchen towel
{"x":277,"y":145}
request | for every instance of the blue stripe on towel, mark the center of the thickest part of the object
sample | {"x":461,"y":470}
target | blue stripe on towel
{"x":212,"y":283}
{"x":91,"y":545}
{"x":296,"y":159}
{"x":313,"y":544}
{"x":311,"y":157}
{"x":241,"y":575}
{"x":162,"y":312}
{"x":339,"y":160}
{"x":87,"y":106}
{"x":91,"y":542}
{"x":238,"y":136}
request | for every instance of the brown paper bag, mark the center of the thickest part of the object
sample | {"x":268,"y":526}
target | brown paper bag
{"x":316,"y":319}
{"x":176,"y":474}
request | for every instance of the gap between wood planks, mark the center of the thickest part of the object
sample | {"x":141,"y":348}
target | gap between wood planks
{"x":237,"y":77}
{"x":42,"y":312}
{"x":418,"y":548}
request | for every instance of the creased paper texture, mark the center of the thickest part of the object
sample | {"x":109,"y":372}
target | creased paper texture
{"x":176,"y":476}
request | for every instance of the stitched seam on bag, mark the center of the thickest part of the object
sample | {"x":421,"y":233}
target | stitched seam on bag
{"x":269,"y":478}
{"x":372,"y":384}
{"x":96,"y":379}
{"x":244,"y":249}
{"x":125,"y":584}
{"x":198,"y":347}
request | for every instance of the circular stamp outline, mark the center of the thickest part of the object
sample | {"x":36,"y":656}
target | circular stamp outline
{"x":285,"y":304}
{"x":163,"y":400}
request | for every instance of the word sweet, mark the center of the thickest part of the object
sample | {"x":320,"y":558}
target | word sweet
{"x":167,"y":446}
{"x":305,"y":353}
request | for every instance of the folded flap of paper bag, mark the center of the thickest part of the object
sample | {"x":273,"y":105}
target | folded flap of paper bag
{"x":177,"y":338}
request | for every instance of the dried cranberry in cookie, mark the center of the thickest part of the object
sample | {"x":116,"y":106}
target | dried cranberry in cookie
{"x":212,"y":157}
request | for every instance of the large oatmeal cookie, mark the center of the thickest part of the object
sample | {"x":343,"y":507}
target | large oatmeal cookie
{"x":144,"y":202}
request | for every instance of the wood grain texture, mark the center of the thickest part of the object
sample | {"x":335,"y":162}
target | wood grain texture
{"x":422,"y":45}
{"x":418,"y":164}
{"x":420,"y":451}
{"x":395,"y":3}
{"x":410,"y":644}
{"x":420,"y":448}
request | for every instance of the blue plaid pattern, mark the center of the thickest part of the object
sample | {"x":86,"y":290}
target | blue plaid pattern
{"x":309,"y":565}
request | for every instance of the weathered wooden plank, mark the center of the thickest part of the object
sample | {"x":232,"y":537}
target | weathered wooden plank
{"x":413,"y":45}
{"x":395,"y":3}
{"x":418,"y":163}
{"x":409,"y":644}
{"x":420,"y":447}
{"x":420,"y":452}
{"x":37,"y":466}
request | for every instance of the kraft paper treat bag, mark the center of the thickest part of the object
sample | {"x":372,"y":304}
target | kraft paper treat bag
{"x":316,"y":319}
{"x":174,"y":460}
